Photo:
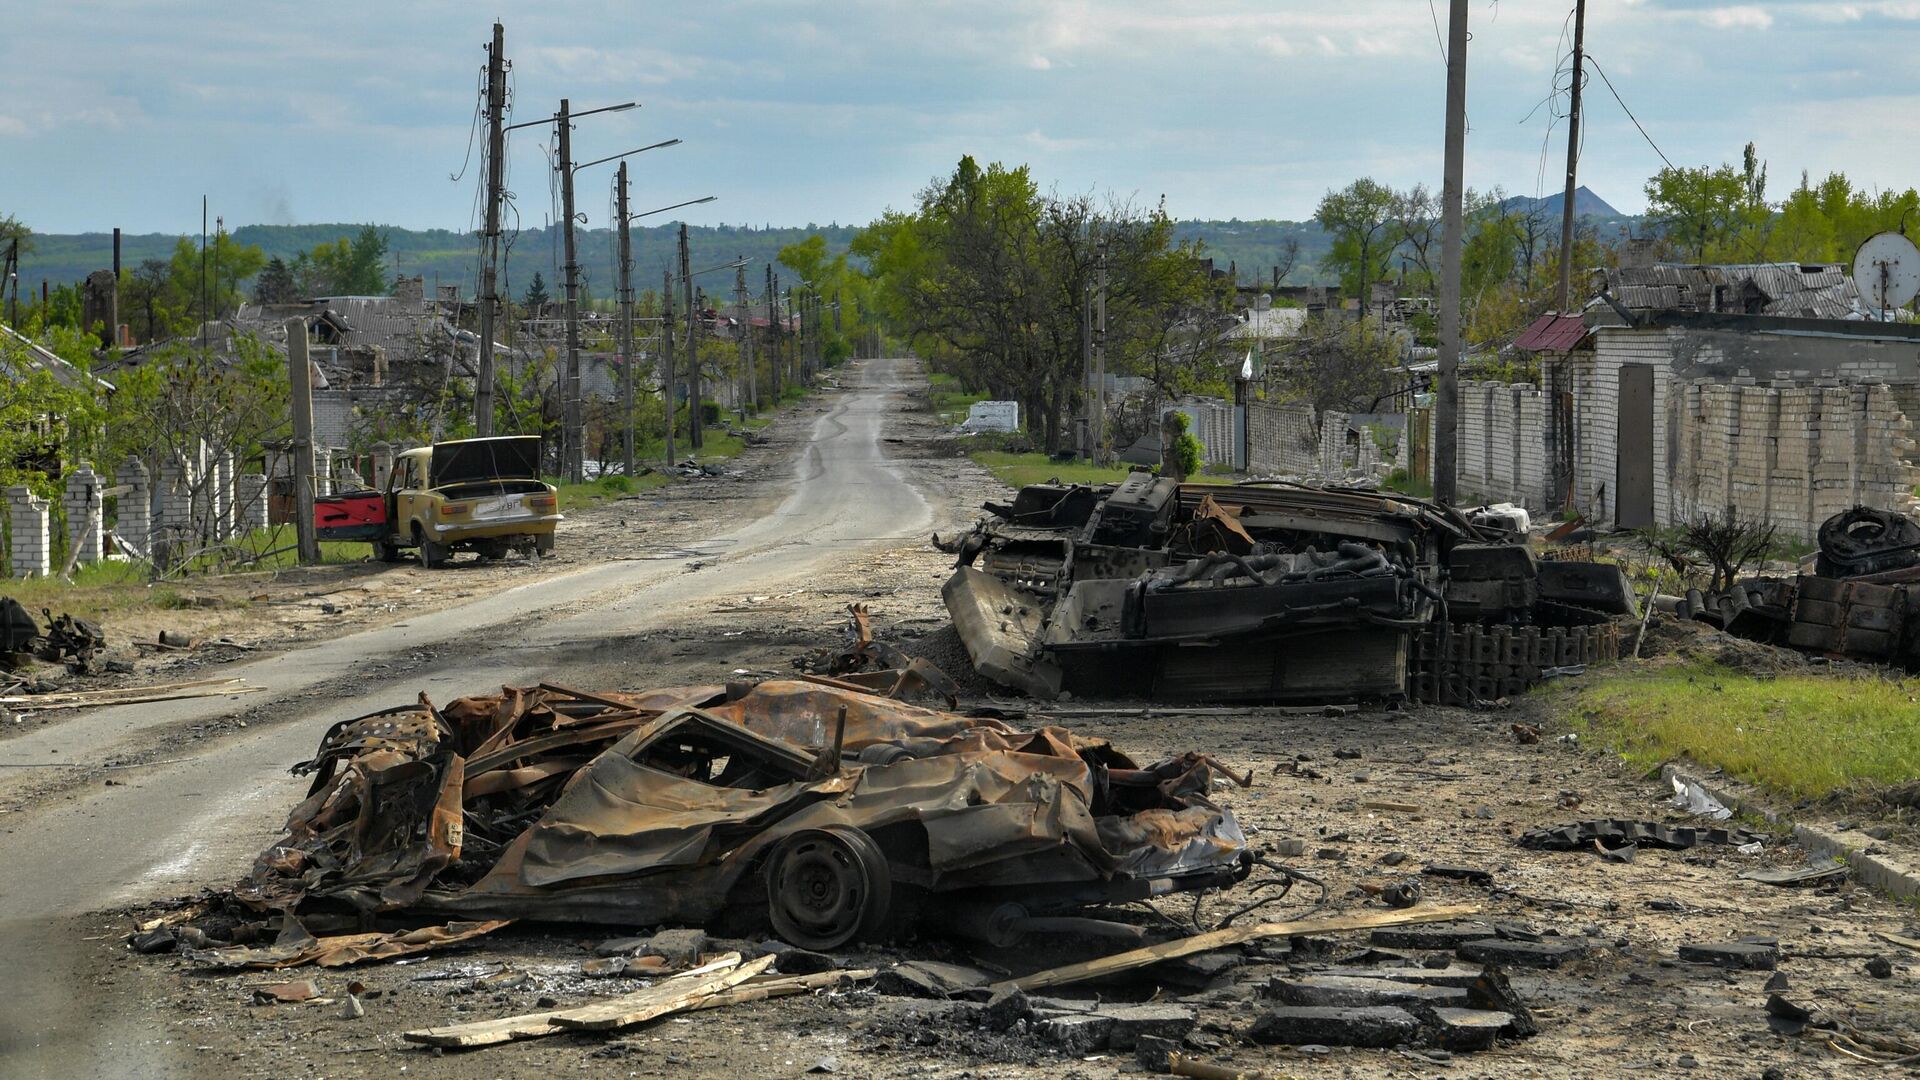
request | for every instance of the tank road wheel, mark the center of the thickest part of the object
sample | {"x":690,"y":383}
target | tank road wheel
{"x":826,"y":887}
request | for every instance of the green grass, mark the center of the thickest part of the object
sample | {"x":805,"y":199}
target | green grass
{"x":1801,"y":736}
{"x":1019,"y":470}
{"x":950,"y":399}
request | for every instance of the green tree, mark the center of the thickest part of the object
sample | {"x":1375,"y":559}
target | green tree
{"x":536,"y":297}
{"x":1362,"y":221}
{"x":275,"y":284}
{"x":1712,"y":214}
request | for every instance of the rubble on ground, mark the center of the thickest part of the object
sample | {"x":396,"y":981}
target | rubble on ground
{"x":1270,"y":591}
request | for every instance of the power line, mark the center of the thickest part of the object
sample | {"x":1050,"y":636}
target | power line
{"x":1629,"y":112}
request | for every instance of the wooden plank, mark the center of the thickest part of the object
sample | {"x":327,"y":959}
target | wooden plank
{"x":780,"y":986}
{"x":671,"y":996}
{"x":1220,"y":939}
{"x":538,"y":1025}
{"x":141,"y":700}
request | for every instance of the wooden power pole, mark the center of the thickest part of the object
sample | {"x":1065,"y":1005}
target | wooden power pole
{"x":574,"y":435}
{"x":300,"y":383}
{"x":1573,"y":157}
{"x":626,"y":324}
{"x":751,"y":378}
{"x":671,"y":386}
{"x":773,"y":334}
{"x":1447,"y":400}
{"x":490,"y":239}
{"x":694,"y":442}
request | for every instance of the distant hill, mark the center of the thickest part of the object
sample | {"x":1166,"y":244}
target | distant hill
{"x":1585,"y":205}
{"x":444,"y":257}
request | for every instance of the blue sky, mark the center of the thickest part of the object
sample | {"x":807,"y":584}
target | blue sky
{"x":124,"y":113}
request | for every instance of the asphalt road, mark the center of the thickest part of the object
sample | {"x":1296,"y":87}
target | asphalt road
{"x":170,"y":827}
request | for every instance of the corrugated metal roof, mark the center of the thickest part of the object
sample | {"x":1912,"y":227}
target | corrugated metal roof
{"x":1790,"y":290}
{"x":1552,"y":333}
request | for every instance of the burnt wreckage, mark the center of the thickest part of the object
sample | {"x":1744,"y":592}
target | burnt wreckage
{"x":1268,"y":591}
{"x":832,"y":812}
{"x":1861,"y":602}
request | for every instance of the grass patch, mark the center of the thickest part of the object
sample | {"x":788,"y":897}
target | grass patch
{"x":1399,"y":481}
{"x":1803,"y":736}
{"x":950,"y":398}
{"x":1019,"y":470}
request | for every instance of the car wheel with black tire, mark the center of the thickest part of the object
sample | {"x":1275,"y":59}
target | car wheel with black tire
{"x":826,"y":887}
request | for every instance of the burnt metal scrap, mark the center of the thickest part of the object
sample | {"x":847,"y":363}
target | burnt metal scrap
{"x":1861,"y":602}
{"x":77,"y":643}
{"x":833,"y":813}
{"x":1268,"y":591}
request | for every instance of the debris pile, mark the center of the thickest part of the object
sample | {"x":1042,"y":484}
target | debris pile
{"x":1858,"y":603}
{"x":831,"y":812}
{"x":1269,"y":591}
{"x":77,"y":644}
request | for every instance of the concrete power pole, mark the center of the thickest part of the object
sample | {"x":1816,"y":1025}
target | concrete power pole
{"x":626,"y":325}
{"x":574,"y":434}
{"x":694,"y":441}
{"x":300,"y":382}
{"x":1100,"y":354}
{"x":671,"y":385}
{"x":1447,"y":400}
{"x":1573,"y":157}
{"x":490,"y":239}
{"x":751,"y":390}
{"x":773,"y":331}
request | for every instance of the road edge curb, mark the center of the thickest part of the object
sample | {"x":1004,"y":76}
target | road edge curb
{"x":1852,"y":847}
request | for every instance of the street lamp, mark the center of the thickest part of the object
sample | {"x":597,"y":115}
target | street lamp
{"x":626,"y":316}
{"x":572,"y":435}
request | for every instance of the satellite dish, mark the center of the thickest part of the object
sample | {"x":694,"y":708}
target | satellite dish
{"x":1886,"y":270}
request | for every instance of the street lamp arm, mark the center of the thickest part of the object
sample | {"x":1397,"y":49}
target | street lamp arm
{"x":555,"y":118}
{"x":675,"y":206}
{"x":628,"y":153}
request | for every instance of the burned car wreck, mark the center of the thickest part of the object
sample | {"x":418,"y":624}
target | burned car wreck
{"x":832,"y":813}
{"x":1268,"y":591}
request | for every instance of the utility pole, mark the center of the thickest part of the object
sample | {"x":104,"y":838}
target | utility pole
{"x":490,"y":239}
{"x":1573,"y":157}
{"x":574,"y":436}
{"x":300,"y":382}
{"x":773,"y":332}
{"x":1086,"y":364}
{"x":1447,"y":400}
{"x":694,"y":442}
{"x":626,"y":324}
{"x":1100,"y":354}
{"x":751,"y":396}
{"x":672,"y":385}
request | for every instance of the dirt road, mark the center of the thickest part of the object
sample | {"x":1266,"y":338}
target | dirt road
{"x":199,"y":814}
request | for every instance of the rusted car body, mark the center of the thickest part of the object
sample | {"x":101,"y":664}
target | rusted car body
{"x":1260,"y":592}
{"x":832,"y":812}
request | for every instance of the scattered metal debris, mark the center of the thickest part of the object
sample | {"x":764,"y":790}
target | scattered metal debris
{"x":1268,"y":592}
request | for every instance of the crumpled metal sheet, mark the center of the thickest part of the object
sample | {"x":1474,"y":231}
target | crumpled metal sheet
{"x":296,"y":947}
{"x":553,"y":803}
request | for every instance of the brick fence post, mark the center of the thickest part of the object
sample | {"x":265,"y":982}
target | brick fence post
{"x":30,"y":556}
{"x":81,"y":504}
{"x":250,"y":502}
{"x":133,"y":519}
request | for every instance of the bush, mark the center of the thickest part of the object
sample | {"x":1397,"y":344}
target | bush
{"x":1186,"y":448}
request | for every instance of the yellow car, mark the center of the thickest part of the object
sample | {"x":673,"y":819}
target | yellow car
{"x":482,"y":495}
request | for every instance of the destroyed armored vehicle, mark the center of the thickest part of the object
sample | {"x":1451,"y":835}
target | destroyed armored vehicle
{"x":1267,"y":591}
{"x":832,"y":813}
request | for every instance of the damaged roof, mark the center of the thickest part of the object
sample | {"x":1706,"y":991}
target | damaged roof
{"x":1791,"y":290}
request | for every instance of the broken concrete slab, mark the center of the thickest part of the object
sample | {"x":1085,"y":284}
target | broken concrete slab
{"x":1158,"y":1020}
{"x":1458,"y":975}
{"x":1374,"y":1027}
{"x":681,"y":947}
{"x":1082,"y":1033}
{"x":929,"y":979}
{"x":1346,"y":992}
{"x":1470,"y":1029}
{"x":1447,"y":935}
{"x":1546,"y":953}
{"x":1738,"y":955}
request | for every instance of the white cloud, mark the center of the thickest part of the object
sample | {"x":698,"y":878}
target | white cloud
{"x":1035,"y":62}
{"x":1738,"y":17}
{"x":12,"y":125}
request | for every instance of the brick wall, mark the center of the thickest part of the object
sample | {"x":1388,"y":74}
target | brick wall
{"x":1502,"y":444}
